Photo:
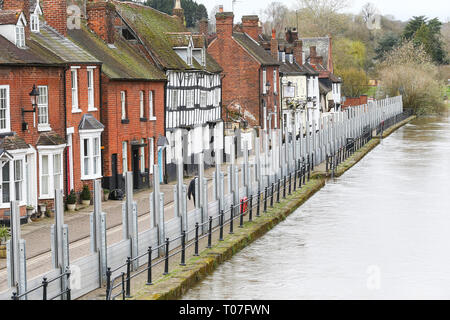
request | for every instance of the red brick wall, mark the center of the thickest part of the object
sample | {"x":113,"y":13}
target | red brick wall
{"x":242,"y":83}
{"x":100,"y":20}
{"x":354,"y":101}
{"x":21,"y":81}
{"x":116,"y":132}
{"x":55,"y":13}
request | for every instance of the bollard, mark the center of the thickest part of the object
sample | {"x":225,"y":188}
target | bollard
{"x":210,"y":233}
{"x":265,"y":199}
{"x":196,"y":240}
{"x":221,"y":226}
{"x":149,"y":266}
{"x":44,"y":288}
{"x":183,"y":248}
{"x":271,"y":195}
{"x":166,"y":260}
{"x":128,"y":276}
{"x":231,"y":219}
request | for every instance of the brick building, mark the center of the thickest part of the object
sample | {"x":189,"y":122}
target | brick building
{"x":132,"y":95}
{"x":193,"y":93}
{"x":51,"y":143}
{"x":251,"y":75}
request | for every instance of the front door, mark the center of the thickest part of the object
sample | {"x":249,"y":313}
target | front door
{"x":136,"y":167}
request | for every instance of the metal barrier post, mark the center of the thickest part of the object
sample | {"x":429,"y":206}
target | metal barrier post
{"x":271,"y":195}
{"x":284,"y":187}
{"x":241,"y":215}
{"x":196,"y":240}
{"x":221,"y":226}
{"x":108,"y":282}
{"x":251,"y":209}
{"x":149,"y":266}
{"x":166,"y":260}
{"x":290,"y":182}
{"x":128,"y":276}
{"x":265,"y":199}
{"x":210,"y":233}
{"x":44,"y":288}
{"x":183,"y":249}
{"x":258,"y":203}
{"x":231,"y":219}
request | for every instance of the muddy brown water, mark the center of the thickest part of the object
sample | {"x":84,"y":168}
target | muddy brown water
{"x":381,"y":231}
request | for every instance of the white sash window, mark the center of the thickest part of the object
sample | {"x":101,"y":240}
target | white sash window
{"x":5,"y":123}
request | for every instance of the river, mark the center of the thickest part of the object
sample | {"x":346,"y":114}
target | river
{"x":381,"y":231}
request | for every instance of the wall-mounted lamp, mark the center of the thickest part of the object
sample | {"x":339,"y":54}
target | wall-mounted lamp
{"x":33,"y":96}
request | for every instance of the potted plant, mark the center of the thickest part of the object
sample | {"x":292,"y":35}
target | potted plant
{"x":43,"y":207}
{"x":30,"y":210}
{"x":71,"y":200}
{"x":4,"y":236}
{"x":105,"y":194}
{"x":86,"y":195}
{"x":50,"y":213}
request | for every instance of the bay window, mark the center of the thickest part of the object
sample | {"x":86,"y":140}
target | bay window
{"x":50,"y":170}
{"x":90,"y":154}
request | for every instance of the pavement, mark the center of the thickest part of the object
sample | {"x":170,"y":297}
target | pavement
{"x":37,"y":234}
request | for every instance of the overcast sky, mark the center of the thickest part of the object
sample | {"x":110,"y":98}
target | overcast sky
{"x":400,"y":9}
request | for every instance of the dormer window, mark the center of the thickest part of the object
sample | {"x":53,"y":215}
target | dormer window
{"x":34,"y":23}
{"x":283,"y":57}
{"x":20,"y":36}
{"x":189,"y":56}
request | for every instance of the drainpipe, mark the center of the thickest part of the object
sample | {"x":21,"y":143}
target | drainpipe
{"x":65,"y":129}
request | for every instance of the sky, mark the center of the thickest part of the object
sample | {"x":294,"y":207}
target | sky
{"x":400,"y":9}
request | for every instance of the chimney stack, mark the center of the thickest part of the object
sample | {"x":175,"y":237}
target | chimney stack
{"x":298,"y":52}
{"x":203,"y":27}
{"x":250,"y":25}
{"x":274,"y":45}
{"x":100,"y":20}
{"x":224,"y":24}
{"x":178,"y":11}
{"x":55,"y":13}
{"x":221,"y":8}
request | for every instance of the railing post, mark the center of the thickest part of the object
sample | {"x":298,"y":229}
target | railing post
{"x":241,"y":216}
{"x":166,"y":260}
{"x":265,"y":199}
{"x":183,"y":248}
{"x":290,"y":182}
{"x":251,"y":209}
{"x":149,"y":266}
{"x":221,"y":226}
{"x":295,"y":179}
{"x":278,"y":188}
{"x":231,"y":219}
{"x":196,"y":240}
{"x":210,"y":233}
{"x":271,"y":194}
{"x":68,"y":292}
{"x":44,"y":288}
{"x":108,"y":282}
{"x":128,"y":276}
{"x":258,"y":203}
{"x":123,"y":285}
{"x":284,"y":187}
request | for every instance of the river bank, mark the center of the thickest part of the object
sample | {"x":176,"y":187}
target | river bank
{"x":175,"y":285}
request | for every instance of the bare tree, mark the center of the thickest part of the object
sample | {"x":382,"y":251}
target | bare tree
{"x":275,"y":16}
{"x":368,"y":11}
{"x":321,"y":7}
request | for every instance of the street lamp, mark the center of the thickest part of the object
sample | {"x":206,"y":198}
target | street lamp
{"x":33,"y":97}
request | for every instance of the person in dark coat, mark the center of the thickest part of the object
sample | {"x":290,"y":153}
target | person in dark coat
{"x":191,"y":190}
